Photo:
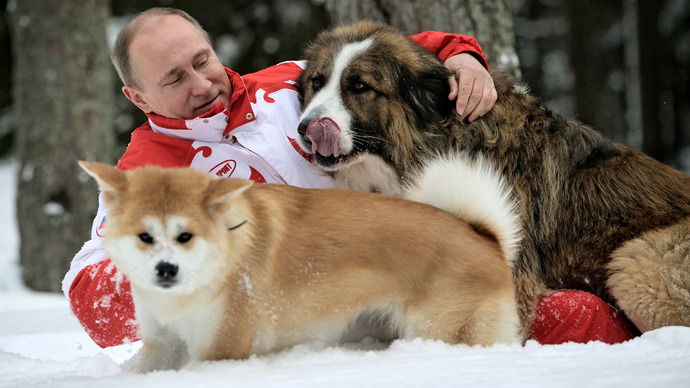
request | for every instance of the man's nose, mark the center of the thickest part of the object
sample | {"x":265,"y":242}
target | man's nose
{"x":200,"y":84}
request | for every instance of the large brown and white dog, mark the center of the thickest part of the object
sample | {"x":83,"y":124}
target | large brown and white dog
{"x":598,"y":216}
{"x":222,"y":269}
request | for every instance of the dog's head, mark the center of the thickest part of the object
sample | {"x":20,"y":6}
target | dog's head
{"x":365,"y":87}
{"x":166,"y":228}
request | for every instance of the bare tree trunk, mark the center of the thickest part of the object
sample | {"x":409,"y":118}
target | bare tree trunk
{"x":651,"y":84}
{"x":64,"y":106}
{"x":490,"y":22}
{"x":590,"y":68}
{"x":631,"y":61}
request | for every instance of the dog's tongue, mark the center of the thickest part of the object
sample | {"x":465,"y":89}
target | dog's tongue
{"x":324,"y":134}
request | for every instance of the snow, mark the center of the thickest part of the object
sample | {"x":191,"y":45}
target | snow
{"x":42,"y":345}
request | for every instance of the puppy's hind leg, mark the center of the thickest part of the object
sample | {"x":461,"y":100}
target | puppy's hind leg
{"x":495,"y":322}
{"x":492,"y":321}
{"x":650,"y":277}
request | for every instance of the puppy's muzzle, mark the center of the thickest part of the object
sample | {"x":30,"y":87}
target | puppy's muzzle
{"x":166,"y":273}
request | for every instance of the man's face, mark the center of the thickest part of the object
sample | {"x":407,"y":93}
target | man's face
{"x":179,"y":74}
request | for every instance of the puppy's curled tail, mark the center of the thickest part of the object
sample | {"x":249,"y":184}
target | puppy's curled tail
{"x":472,"y":189}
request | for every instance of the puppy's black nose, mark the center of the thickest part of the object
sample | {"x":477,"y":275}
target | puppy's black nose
{"x":166,"y":271}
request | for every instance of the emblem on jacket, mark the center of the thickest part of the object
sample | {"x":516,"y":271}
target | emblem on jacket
{"x":224,"y":169}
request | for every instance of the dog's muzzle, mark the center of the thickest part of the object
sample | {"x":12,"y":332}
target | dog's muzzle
{"x":322,"y":134}
{"x":166,"y":273}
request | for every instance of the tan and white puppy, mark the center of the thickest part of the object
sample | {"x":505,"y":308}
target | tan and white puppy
{"x":223,"y":269}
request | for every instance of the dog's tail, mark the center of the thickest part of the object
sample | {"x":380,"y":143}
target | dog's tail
{"x":472,"y":189}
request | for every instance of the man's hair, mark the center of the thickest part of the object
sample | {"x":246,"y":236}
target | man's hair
{"x":120,"y":55}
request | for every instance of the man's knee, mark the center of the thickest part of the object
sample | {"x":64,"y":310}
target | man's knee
{"x":578,"y":316}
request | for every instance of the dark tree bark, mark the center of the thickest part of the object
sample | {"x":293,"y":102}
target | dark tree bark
{"x":64,"y":108}
{"x":596,"y":55}
{"x":651,"y":84}
{"x":490,"y":22}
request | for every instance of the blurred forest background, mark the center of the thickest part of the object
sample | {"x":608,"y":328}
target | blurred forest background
{"x":622,"y":66}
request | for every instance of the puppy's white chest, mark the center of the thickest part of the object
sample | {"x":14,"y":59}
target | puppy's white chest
{"x":194,"y":321}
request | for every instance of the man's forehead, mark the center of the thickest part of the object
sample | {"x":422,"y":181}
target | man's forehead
{"x":161,"y":30}
{"x":163,"y":42}
{"x":154,"y":23}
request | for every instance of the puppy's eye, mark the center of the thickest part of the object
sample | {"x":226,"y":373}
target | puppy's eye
{"x":184,"y":238}
{"x":146,"y":238}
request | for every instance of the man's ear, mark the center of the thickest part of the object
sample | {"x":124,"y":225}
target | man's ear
{"x":111,"y":181}
{"x":137,"y":98}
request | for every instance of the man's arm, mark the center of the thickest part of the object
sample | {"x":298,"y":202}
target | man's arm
{"x":101,"y":299}
{"x":99,"y":295}
{"x":471,"y":84}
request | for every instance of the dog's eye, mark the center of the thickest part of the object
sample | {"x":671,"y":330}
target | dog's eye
{"x":184,"y":237}
{"x":316,"y":83}
{"x":360,"y":87}
{"x":146,"y":238}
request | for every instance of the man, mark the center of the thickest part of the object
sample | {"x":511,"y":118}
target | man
{"x":205,"y":116}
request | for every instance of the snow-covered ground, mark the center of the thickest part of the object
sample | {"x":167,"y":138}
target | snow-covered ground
{"x":42,"y":345}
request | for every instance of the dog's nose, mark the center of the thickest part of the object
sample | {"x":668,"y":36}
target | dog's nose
{"x":166,"y":271}
{"x":302,"y":129}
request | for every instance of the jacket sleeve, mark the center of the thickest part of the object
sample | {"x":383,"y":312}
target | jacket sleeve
{"x":445,"y":45}
{"x":101,"y":299}
{"x":99,"y":295}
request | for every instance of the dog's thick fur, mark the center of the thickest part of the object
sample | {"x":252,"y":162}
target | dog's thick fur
{"x":598,"y":216}
{"x":222,"y":269}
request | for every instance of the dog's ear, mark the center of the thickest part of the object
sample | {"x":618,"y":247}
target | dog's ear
{"x":222,"y":192}
{"x":426,"y":92}
{"x":111,"y":181}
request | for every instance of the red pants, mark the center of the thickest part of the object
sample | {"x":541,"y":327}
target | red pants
{"x":577,"y":316}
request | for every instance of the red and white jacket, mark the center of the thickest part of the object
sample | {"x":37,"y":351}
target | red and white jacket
{"x":254,"y":138}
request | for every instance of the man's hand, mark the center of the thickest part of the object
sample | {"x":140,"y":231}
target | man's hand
{"x":471,"y":86}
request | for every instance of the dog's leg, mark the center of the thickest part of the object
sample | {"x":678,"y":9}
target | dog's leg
{"x":528,"y":290}
{"x":161,"y":354}
{"x":650,"y":277}
{"x":495,"y":322}
{"x":161,"y":350}
{"x":485,"y":321}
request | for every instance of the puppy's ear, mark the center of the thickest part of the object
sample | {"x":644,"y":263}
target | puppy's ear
{"x":222,"y":192}
{"x":111,"y":181}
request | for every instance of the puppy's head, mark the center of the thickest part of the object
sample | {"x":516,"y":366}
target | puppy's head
{"x":367,"y":86}
{"x":170,"y":229}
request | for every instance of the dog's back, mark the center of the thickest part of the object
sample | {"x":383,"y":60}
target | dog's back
{"x":583,"y":195}
{"x":393,"y":268}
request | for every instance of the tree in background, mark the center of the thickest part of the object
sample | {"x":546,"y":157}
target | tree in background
{"x":622,"y":66}
{"x":6,"y":114}
{"x":63,"y":100}
{"x":490,"y":22}
{"x":664,"y":75}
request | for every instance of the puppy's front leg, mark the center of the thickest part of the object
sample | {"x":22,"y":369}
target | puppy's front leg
{"x":162,"y":349}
